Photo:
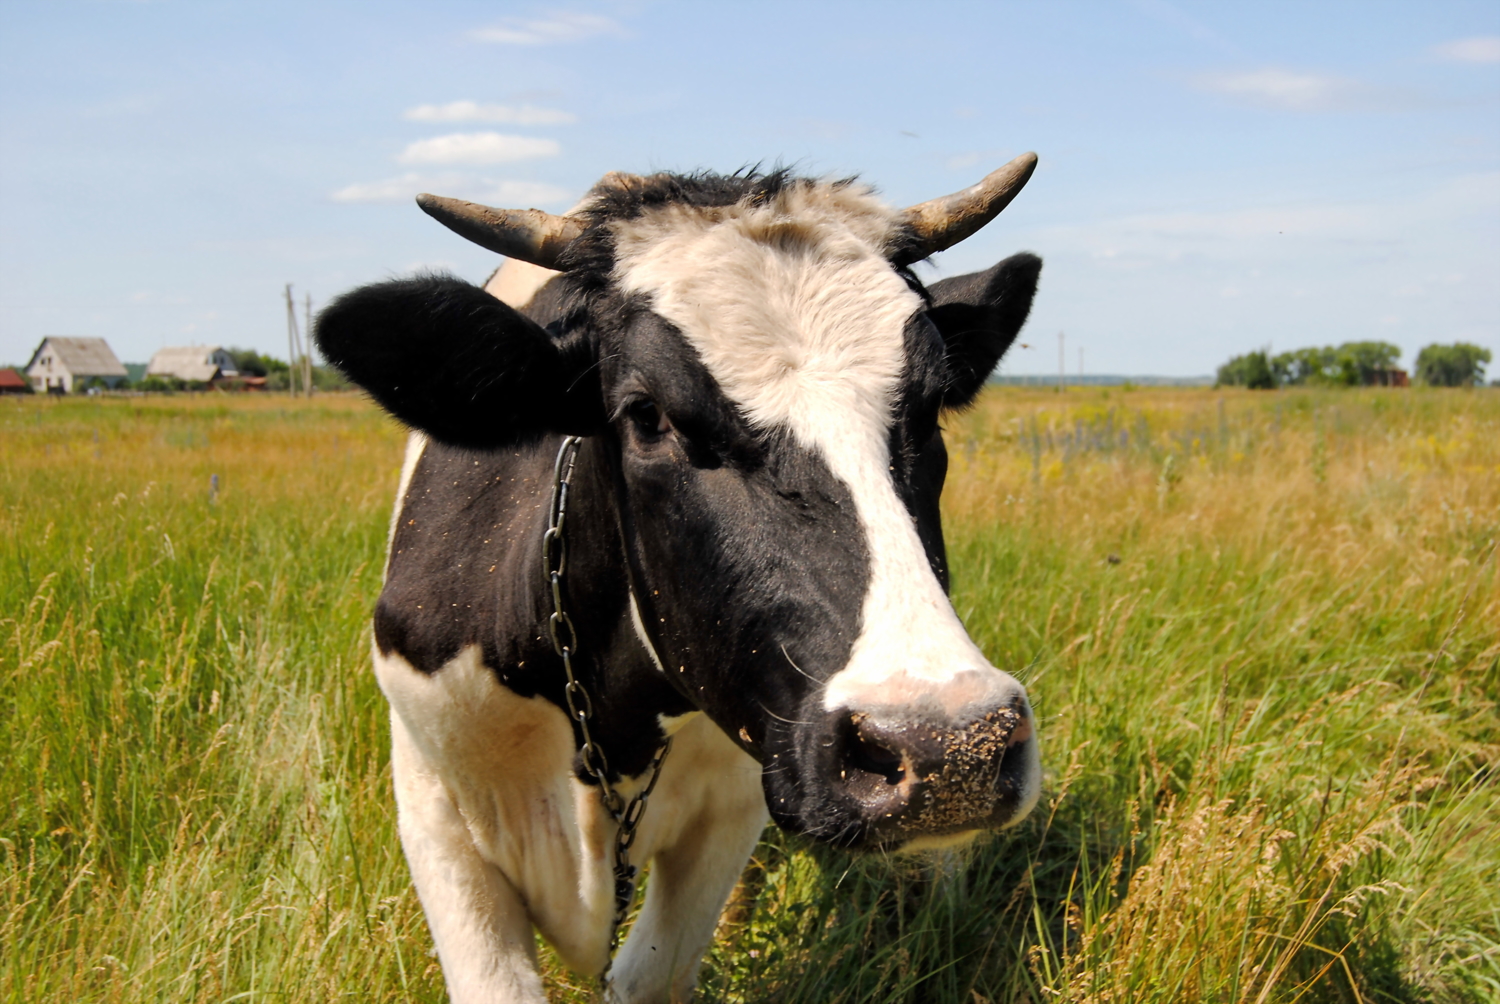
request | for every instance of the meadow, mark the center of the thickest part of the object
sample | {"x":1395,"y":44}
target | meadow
{"x":1261,"y":632}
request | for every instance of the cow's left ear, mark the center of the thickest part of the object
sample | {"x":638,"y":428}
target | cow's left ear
{"x":979,"y":316}
{"x":448,"y":358}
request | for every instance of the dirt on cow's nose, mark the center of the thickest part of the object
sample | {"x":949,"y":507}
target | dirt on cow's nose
{"x":908,"y":777}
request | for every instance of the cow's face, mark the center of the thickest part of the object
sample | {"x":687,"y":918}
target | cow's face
{"x":769,"y":385}
{"x":775,"y":386}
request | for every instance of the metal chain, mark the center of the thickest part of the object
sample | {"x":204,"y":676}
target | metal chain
{"x":626,"y":814}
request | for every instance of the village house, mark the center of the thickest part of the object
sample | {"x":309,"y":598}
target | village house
{"x":194,"y":363}
{"x":61,"y":365}
{"x":12,"y":382}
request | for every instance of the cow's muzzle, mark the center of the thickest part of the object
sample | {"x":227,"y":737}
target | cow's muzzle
{"x":890,"y":777}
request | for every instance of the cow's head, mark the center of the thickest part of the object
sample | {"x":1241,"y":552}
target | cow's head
{"x":767,"y":377}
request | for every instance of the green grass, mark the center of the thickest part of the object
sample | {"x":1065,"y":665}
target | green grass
{"x":1262,"y":632}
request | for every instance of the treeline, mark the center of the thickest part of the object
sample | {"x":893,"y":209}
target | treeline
{"x":1355,"y":364}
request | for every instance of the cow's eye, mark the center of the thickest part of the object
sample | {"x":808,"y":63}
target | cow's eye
{"x":648,"y":418}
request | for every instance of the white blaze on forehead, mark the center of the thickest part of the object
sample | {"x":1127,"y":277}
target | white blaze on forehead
{"x":796,"y":312}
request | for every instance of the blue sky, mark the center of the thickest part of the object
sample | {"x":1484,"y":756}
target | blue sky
{"x":1214,"y":177}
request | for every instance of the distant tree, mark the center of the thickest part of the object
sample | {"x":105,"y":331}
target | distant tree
{"x":1304,"y":366}
{"x":324,"y":378}
{"x":252,"y":362}
{"x":328,"y":378}
{"x":1456,"y":365}
{"x":1358,"y":364}
{"x":1251,"y":370}
{"x":1352,"y":364}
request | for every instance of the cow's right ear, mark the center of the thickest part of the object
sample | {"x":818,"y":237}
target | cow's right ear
{"x":448,"y":358}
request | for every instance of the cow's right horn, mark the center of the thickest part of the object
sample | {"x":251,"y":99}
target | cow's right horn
{"x":938,"y":224}
{"x":528,"y":234}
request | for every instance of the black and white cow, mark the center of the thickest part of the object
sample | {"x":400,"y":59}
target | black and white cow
{"x":755,"y":560}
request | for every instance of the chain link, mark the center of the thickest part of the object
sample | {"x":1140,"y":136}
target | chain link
{"x":626,"y":814}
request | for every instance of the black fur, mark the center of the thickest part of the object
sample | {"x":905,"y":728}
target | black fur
{"x":448,"y":358}
{"x":465,"y":569}
{"x":919,"y":459}
{"x":744,"y":550}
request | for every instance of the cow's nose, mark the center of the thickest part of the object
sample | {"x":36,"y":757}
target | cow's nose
{"x":907,"y":776}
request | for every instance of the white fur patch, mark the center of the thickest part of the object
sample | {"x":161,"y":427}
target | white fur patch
{"x":673,"y":724}
{"x":796,"y":312}
{"x":515,"y":282}
{"x":645,"y":639}
{"x":500,"y":835}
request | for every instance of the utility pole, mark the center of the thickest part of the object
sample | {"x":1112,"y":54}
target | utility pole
{"x":291,"y":343}
{"x":1062,"y":364}
{"x":307,"y":380}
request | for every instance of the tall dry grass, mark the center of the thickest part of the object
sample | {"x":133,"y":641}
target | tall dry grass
{"x":1262,"y":632}
{"x":195,"y":793}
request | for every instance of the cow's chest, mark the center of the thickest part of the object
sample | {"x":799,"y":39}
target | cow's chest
{"x":466,"y":744}
{"x":503,"y":763}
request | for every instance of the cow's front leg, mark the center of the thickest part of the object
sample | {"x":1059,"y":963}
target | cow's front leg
{"x":479,"y":922}
{"x":710,"y":801}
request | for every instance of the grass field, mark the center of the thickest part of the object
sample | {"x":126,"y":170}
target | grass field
{"x":1262,"y":632}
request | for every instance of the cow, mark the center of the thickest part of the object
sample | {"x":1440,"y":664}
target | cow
{"x":668,"y":525}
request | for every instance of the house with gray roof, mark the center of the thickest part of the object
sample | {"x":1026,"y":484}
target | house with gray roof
{"x":195,"y":363}
{"x":59,"y":365}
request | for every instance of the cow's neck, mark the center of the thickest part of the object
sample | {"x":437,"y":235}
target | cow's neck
{"x":629,"y":694}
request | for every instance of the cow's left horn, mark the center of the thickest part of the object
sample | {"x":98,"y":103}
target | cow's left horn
{"x":938,"y":224}
{"x":528,"y":234}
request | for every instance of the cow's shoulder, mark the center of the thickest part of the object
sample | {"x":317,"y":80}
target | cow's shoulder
{"x":465,"y":546}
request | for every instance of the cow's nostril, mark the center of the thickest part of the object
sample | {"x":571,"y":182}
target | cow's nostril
{"x":872,"y":757}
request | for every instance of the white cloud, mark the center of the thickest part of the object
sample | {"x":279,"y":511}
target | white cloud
{"x":492,"y":191}
{"x":477,"y":148}
{"x":1278,"y":88}
{"x":1481,"y":49}
{"x":554,"y":28}
{"x":472,"y":111}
